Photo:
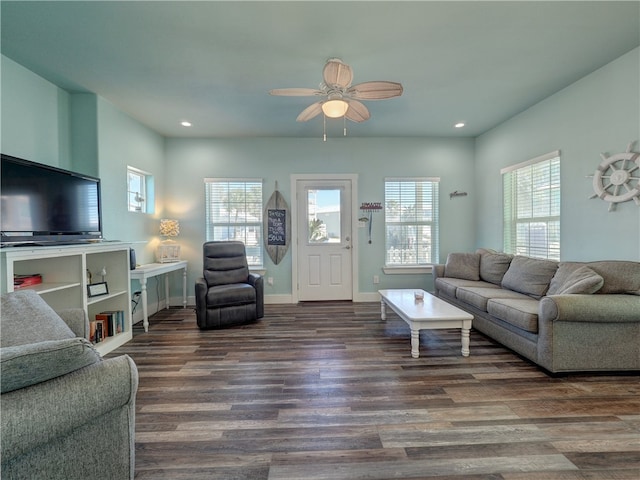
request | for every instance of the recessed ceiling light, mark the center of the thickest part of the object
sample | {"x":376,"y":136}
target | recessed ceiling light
{"x":185,"y":124}
{"x":459,"y":125}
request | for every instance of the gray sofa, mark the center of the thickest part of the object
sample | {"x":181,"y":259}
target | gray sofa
{"x":564,"y":316}
{"x":66,"y":412}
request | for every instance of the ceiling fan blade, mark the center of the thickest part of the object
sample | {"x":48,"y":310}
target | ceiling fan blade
{"x":296,"y":92}
{"x":311,"y":111}
{"x":337,"y":74}
{"x":357,"y":112}
{"x":375,"y":90}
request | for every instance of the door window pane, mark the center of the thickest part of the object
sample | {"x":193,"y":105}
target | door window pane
{"x":324,"y":216}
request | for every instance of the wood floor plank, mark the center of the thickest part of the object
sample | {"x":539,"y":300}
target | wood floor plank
{"x":326,"y":390}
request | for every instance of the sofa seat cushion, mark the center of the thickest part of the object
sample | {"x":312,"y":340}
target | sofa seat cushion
{"x":25,"y":365}
{"x":230,"y":295}
{"x":519,"y":312}
{"x":463,"y":265}
{"x":449,"y":286}
{"x":530,"y":276}
{"x":574,"y":278}
{"x":479,"y":296}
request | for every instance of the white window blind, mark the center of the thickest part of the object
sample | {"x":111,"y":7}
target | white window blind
{"x":234,"y":212}
{"x":411,"y":221}
{"x":531,"y":201}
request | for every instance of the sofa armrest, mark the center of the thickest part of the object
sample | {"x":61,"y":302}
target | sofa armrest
{"x":39,"y":414}
{"x":611,"y":308}
{"x":77,"y":321}
{"x":437,"y":271}
{"x":25,"y":365}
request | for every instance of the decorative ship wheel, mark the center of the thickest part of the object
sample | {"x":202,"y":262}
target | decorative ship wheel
{"x":617,"y":178}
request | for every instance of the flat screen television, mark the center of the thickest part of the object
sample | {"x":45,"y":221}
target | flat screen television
{"x":44,"y":205}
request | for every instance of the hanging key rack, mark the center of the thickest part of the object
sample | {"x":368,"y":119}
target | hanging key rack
{"x":368,"y":209}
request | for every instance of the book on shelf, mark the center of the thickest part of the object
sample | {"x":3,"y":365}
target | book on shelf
{"x":26,"y":280}
{"x":118,"y":320}
{"x":99,"y":335}
{"x":112,"y":322}
{"x":92,"y":331}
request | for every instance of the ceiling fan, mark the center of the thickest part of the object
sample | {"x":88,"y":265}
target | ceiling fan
{"x":340,"y":98}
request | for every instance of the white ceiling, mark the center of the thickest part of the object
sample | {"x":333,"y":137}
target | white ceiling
{"x":213,"y":63}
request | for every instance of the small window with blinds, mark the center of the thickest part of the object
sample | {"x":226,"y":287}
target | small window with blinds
{"x":411,"y":221}
{"x":233,"y":211}
{"x":139,"y":183}
{"x":531,"y":203}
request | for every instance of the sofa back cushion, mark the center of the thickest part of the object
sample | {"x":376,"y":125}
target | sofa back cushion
{"x":619,"y":276}
{"x":493,"y":266}
{"x":27,"y":318}
{"x":463,"y":265}
{"x":530,"y":276}
{"x":573,"y":277}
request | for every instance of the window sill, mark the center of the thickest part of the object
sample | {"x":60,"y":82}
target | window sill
{"x":407,"y":270}
{"x":259,"y":270}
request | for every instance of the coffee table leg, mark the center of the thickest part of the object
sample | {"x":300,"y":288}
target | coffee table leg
{"x":465,"y":342}
{"x":383,"y":310}
{"x":415,"y":343}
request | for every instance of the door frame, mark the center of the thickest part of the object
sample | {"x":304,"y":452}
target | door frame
{"x":311,"y":177}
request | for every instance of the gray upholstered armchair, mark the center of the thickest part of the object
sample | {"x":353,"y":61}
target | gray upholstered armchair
{"x":227,"y":294}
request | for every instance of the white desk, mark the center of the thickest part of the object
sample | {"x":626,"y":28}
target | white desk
{"x":142,"y":272}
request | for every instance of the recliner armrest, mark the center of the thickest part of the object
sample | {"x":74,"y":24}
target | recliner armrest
{"x":257,"y":282}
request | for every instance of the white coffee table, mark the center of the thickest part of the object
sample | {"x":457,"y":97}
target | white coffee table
{"x":426,"y":314}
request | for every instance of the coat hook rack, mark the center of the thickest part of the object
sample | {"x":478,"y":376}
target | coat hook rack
{"x":457,"y":194}
{"x":369,"y":208}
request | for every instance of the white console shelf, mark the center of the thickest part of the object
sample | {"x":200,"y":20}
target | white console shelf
{"x":64,"y":279}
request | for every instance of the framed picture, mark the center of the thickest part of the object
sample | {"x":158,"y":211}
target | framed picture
{"x":97,"y":289}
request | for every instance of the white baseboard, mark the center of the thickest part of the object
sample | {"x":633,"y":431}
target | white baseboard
{"x":367,"y":297}
{"x":278,"y":299}
{"x":176,"y":302}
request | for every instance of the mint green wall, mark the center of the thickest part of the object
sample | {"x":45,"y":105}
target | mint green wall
{"x":85,"y":133}
{"x":122,"y":142}
{"x":599,"y":113}
{"x":35,"y":116}
{"x":84,"y":126}
{"x":189,"y":161}
{"x":596,"y":114}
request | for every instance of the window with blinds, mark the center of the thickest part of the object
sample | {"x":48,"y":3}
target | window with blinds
{"x":531,"y":202}
{"x":411,"y":221}
{"x":234,"y":212}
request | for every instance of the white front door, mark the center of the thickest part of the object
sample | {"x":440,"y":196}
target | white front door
{"x":324,"y":253}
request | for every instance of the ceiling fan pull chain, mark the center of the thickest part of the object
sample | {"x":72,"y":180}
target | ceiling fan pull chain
{"x":344,"y":126}
{"x":324,"y":126}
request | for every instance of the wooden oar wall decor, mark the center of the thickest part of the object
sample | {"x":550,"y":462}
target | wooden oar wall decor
{"x":277,"y":227}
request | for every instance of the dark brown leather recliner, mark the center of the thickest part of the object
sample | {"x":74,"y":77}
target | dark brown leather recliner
{"x":227,"y":294}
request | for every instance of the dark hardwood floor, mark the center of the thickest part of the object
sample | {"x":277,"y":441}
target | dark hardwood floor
{"x":329,"y":391}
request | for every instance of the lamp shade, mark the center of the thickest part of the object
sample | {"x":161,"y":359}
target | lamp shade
{"x":169,"y":227}
{"x":335,"y":108}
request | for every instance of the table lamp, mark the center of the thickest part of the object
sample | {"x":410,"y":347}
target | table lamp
{"x":168,"y":251}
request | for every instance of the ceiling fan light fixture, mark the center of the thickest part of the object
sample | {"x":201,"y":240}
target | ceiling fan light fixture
{"x":335,"y":108}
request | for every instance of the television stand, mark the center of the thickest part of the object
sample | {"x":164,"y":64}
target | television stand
{"x":64,"y":270}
